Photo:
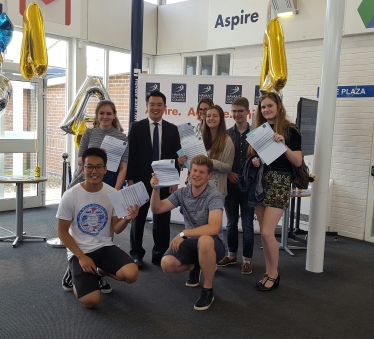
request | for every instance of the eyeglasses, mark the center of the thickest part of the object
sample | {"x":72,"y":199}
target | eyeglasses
{"x":240,"y":111}
{"x":202,"y":109}
{"x":98,"y":168}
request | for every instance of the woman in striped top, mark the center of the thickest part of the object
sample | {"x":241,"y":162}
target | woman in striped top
{"x":106,"y":123}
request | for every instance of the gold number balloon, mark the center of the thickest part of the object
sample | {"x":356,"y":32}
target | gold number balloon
{"x":77,"y":117}
{"x":274,"y":63}
{"x":34,"y":59}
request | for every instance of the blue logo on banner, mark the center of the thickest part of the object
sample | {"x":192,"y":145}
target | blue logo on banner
{"x":205,"y":91}
{"x":364,"y":91}
{"x":151,"y":86}
{"x":232,"y":92}
{"x":178,"y":92}
{"x":257,"y":94}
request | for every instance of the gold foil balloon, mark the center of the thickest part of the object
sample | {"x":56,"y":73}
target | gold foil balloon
{"x":274,"y":62}
{"x":34,"y":59}
{"x":76,"y":119}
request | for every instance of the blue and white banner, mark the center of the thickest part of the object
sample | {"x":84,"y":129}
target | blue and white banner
{"x":358,"y":91}
{"x":183,"y":93}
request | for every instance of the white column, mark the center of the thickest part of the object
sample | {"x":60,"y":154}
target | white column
{"x":324,"y":134}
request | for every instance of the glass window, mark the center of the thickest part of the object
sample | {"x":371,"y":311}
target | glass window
{"x":119,"y":84}
{"x":155,"y":2}
{"x":56,"y":49}
{"x":119,"y":63}
{"x":13,"y":51}
{"x":19,"y":116}
{"x":223,"y":64}
{"x":190,"y":66}
{"x":95,"y":61}
{"x":206,"y":65}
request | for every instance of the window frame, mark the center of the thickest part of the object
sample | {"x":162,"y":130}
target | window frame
{"x":214,"y":53}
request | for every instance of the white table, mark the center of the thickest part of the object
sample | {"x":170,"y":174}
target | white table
{"x":19,"y":181}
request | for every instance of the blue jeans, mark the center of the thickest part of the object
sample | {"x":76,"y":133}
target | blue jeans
{"x":233,"y":201}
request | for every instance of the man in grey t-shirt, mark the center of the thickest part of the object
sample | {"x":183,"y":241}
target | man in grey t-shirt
{"x":200,"y":245}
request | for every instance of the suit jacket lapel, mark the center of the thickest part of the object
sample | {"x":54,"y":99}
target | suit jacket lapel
{"x":147,"y":132}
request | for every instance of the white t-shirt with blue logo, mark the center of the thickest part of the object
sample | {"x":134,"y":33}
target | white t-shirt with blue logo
{"x":91,"y":215}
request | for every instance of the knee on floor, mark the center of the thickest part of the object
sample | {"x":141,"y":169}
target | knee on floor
{"x":90,"y":300}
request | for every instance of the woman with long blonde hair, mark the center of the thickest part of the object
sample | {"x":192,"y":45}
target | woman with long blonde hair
{"x":106,"y":123}
{"x":277,"y":182}
{"x":219,"y":146}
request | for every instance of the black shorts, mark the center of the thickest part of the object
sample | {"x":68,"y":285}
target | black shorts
{"x":108,"y":258}
{"x":188,"y":253}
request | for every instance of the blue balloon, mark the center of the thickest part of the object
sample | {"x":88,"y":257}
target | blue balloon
{"x":6,"y":31}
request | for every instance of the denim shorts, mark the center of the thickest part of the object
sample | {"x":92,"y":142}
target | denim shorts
{"x":188,"y":251}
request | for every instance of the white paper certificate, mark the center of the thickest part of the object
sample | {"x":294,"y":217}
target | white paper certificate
{"x":166,"y":172}
{"x":192,"y":147}
{"x":132,"y":195}
{"x":262,"y":140}
{"x":114,"y":149}
{"x":186,"y":130}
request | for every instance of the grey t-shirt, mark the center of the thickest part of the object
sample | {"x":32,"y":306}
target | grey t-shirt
{"x":196,"y":209}
{"x":93,"y":137}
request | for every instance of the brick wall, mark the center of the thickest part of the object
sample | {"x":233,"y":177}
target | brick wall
{"x":353,"y":131}
{"x":55,"y":139}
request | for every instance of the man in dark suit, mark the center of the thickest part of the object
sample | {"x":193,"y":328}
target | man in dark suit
{"x":142,"y":151}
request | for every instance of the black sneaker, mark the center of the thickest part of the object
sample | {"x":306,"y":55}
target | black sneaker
{"x":194,"y":277}
{"x":104,"y":285}
{"x":205,"y":300}
{"x":67,"y":280}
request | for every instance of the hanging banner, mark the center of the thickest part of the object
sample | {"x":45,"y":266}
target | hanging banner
{"x":183,"y":93}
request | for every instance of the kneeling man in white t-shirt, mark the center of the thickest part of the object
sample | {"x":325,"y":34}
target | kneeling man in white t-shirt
{"x":85,"y":218}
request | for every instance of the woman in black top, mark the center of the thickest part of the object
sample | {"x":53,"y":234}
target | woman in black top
{"x":276,"y":182}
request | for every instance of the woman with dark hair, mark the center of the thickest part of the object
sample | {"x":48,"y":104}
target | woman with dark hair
{"x":219,"y":147}
{"x":106,"y":123}
{"x":201,"y":109}
{"x":277,"y":182}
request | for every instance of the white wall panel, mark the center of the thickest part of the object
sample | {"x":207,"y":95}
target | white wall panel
{"x":111,"y":24}
{"x":236,"y":23}
{"x":182,"y":27}
{"x":308,"y":24}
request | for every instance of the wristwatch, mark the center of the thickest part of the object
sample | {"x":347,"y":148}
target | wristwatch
{"x":181,"y":234}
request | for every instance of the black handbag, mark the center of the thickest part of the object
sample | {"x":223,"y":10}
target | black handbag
{"x":300,"y":176}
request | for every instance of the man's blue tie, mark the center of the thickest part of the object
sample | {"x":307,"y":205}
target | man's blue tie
{"x":155,"y":146}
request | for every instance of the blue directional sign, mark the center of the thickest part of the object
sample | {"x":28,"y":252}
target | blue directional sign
{"x":359,"y":91}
